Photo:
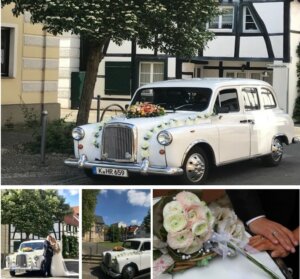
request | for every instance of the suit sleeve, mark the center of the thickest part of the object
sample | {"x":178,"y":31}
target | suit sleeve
{"x":246,"y":204}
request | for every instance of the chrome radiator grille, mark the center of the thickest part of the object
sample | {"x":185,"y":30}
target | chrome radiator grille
{"x":118,"y":143}
{"x":21,"y":261}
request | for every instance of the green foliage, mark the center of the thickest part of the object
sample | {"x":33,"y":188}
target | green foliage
{"x":89,"y":202}
{"x":58,"y":137}
{"x":296,"y":113}
{"x":33,"y":211}
{"x":147,"y":222}
{"x":114,"y":233}
{"x":31,"y":118}
{"x":70,"y":247}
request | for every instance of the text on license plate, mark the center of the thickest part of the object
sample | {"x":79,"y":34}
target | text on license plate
{"x":111,"y":171}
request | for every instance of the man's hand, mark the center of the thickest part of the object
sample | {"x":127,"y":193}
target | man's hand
{"x":260,"y":243}
{"x":274,"y":232}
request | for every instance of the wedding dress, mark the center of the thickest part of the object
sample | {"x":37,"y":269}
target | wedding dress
{"x":58,"y":267}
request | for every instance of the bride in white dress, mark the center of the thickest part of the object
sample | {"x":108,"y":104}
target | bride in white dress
{"x":58,"y":267}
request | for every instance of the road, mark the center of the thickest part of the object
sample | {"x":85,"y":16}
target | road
{"x":250,"y":172}
{"x":93,"y":271}
{"x":36,"y":275}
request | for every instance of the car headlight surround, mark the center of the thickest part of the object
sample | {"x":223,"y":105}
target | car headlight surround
{"x":78,"y":133}
{"x":164,"y":138}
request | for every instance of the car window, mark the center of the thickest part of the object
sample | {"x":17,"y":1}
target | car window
{"x":175,"y":98}
{"x":32,"y":245}
{"x":267,"y":98}
{"x":251,"y":100}
{"x":131,"y":245}
{"x":227,"y":101}
{"x":146,"y":246}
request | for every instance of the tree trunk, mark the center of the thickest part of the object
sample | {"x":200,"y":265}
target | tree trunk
{"x":95,"y":56}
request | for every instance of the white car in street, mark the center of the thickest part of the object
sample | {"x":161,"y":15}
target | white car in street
{"x":205,"y":122}
{"x":127,"y":261}
{"x":29,"y":257}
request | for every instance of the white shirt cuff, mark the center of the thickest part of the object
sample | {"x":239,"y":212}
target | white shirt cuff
{"x":253,"y":219}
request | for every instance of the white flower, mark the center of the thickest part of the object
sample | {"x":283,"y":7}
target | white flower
{"x":193,"y":248}
{"x":179,"y":240}
{"x":173,"y":207}
{"x":187,"y":199}
{"x":200,"y":228}
{"x":175,"y":222}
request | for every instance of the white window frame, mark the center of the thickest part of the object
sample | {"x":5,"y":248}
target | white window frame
{"x":220,"y":21}
{"x":151,"y":69}
{"x":13,"y":44}
{"x":245,"y":9}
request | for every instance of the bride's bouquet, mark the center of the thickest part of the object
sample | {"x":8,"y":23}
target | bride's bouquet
{"x":189,"y":233}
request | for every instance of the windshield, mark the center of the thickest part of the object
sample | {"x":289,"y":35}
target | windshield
{"x":131,"y":245}
{"x":193,"y":99}
{"x":30,"y":246}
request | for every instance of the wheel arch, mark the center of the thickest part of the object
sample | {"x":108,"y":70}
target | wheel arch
{"x":205,"y":146}
{"x":131,"y":264}
{"x":282,"y":137}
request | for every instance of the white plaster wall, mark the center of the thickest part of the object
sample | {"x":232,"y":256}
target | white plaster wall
{"x":270,"y":11}
{"x":277,"y":44}
{"x":69,"y":54}
{"x":253,"y":47}
{"x":221,"y":46}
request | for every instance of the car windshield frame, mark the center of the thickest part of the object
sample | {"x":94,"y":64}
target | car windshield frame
{"x":32,"y":245}
{"x":175,"y":98}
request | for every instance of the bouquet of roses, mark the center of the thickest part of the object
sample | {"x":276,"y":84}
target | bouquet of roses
{"x":144,"y":110}
{"x":188,"y":233}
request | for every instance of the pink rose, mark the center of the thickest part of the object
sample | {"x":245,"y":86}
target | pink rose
{"x":179,"y":240}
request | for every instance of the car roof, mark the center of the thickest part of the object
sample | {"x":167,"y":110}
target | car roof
{"x":206,"y":82}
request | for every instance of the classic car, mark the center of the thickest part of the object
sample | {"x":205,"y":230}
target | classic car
{"x":29,"y":257}
{"x":203,"y":123}
{"x":126,"y":261}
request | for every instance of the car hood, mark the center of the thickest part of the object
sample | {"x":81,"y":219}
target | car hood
{"x":175,"y":119}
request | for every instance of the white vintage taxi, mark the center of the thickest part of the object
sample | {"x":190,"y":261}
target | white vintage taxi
{"x":28,"y":258}
{"x":126,"y":261}
{"x":206,"y":122}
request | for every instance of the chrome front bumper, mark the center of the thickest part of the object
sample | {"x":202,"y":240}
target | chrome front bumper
{"x":143,"y":168}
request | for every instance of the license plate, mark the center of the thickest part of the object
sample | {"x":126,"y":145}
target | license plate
{"x":111,"y":172}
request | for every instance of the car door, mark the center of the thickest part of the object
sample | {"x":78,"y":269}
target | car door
{"x":233,"y":126}
{"x":259,"y":113}
{"x":145,"y":255}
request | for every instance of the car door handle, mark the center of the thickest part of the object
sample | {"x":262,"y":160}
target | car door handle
{"x":251,"y":121}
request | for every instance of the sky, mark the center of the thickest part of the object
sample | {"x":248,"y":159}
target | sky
{"x":126,"y":206}
{"x":71,"y":196}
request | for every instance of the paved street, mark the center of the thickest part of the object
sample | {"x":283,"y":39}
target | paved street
{"x":5,"y":274}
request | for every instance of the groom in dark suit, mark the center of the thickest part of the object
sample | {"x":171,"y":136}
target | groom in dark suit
{"x":48,"y":254}
{"x":274,"y":216}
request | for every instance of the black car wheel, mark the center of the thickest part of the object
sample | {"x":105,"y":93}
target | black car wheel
{"x":128,"y":272}
{"x":274,"y":158}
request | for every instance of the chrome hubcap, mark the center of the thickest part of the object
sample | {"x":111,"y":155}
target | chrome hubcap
{"x":195,"y":167}
{"x":130,"y":271}
{"x":277,"y":150}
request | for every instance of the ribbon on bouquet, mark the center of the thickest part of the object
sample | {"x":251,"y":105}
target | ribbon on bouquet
{"x":227,"y":244}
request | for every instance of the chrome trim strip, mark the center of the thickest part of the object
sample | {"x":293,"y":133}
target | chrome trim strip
{"x":143,"y":168}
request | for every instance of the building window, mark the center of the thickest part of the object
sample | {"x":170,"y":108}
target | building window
{"x":151,"y":72}
{"x":5,"y":51}
{"x":223,"y":22}
{"x":117,"y":78}
{"x":251,"y":100}
{"x":249,"y":22}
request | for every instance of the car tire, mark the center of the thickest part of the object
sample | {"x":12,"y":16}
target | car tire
{"x":274,"y":158}
{"x":12,"y":273}
{"x":128,"y":272}
{"x":195,"y":167}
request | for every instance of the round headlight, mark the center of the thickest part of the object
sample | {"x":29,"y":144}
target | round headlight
{"x":36,"y":258}
{"x":78,"y":133}
{"x":164,"y":138}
